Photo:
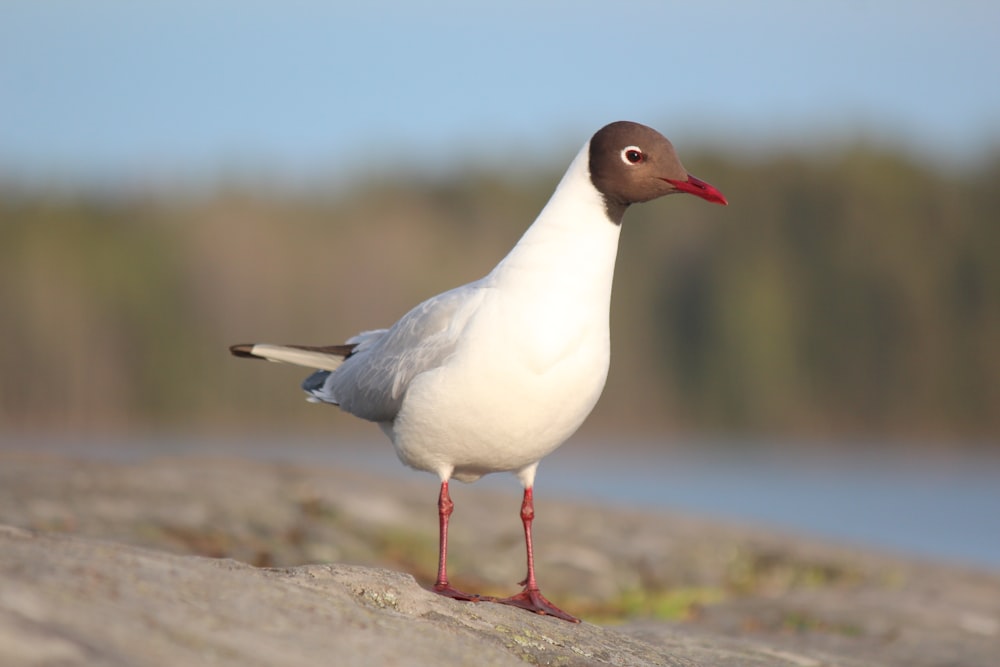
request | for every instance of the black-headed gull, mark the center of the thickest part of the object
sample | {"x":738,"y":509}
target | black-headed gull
{"x":494,"y":375}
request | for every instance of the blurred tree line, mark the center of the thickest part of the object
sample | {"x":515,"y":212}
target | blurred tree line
{"x":849,"y":294}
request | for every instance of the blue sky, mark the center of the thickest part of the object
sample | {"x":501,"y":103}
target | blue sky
{"x":116,"y":90}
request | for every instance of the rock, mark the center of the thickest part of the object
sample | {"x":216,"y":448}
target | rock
{"x":73,"y":601}
{"x":86,"y":578}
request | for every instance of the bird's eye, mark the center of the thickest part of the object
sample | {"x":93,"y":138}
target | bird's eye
{"x":632,"y":155}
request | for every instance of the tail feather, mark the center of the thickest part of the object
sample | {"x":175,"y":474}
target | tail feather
{"x":324,"y":357}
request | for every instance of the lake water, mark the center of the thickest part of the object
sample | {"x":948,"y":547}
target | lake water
{"x":940,"y":508}
{"x":936,"y":505}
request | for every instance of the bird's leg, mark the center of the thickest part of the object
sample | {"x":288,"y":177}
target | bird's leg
{"x":531,"y":598}
{"x":445,"y":508}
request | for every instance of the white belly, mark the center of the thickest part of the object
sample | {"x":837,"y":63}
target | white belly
{"x":503,"y":411}
{"x":532,"y":360}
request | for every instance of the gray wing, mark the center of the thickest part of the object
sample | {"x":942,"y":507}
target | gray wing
{"x":372,"y":382}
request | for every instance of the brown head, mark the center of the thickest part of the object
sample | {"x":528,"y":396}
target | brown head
{"x":631,"y":163}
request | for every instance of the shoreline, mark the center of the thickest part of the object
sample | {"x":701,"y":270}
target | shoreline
{"x":932,"y":506}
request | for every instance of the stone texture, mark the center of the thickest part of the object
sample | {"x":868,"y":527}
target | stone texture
{"x":105,"y":564}
{"x":74,"y":601}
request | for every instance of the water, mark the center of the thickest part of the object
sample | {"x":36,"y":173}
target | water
{"x":936,"y":506}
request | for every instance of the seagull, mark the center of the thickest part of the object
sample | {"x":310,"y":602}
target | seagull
{"x":494,"y":375}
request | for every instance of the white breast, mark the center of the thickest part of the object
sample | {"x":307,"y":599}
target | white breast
{"x":533,"y":359}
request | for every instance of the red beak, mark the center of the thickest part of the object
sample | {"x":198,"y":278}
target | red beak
{"x":699,"y":188}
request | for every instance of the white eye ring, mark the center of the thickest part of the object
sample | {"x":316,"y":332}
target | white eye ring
{"x":633,"y":155}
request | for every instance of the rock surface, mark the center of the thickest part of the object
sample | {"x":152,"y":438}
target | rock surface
{"x":77,"y":601}
{"x":96,"y":568}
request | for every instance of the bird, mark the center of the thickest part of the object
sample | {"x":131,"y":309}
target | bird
{"x":494,"y":375}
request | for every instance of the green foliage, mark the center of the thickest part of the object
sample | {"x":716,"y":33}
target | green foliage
{"x":675,"y":604}
{"x":854,"y":295}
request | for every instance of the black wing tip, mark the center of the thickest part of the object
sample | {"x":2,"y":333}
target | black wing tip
{"x":345,"y":350}
{"x":244,"y":350}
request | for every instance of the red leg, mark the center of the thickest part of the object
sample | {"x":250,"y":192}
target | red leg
{"x":531,"y":598}
{"x":445,"y":508}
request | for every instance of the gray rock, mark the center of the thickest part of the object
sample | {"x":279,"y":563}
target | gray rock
{"x":86,"y":578}
{"x":74,"y":601}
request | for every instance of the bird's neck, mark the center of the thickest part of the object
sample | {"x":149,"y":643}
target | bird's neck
{"x":572,"y":244}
